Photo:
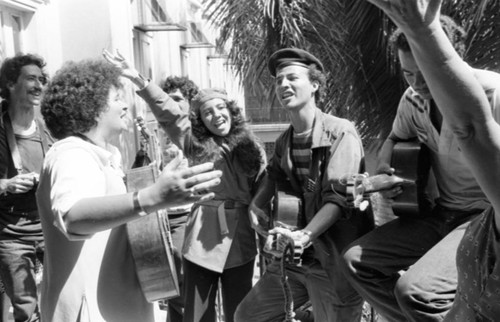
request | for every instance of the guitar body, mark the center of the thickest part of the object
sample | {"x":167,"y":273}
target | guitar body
{"x":411,"y":161}
{"x":287,"y":207}
{"x":151,"y":245}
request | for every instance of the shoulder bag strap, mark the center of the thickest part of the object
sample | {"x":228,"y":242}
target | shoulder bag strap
{"x":43,"y":135}
{"x":11,"y":140}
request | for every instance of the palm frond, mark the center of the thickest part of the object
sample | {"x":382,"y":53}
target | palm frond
{"x":350,"y":38}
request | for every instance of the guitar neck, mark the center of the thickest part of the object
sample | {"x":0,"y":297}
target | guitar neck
{"x":151,"y":145}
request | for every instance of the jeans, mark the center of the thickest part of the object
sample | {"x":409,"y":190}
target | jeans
{"x":177,"y":230}
{"x":17,"y":271}
{"x":266,"y":301}
{"x":200,"y":289}
{"x":406,"y":268}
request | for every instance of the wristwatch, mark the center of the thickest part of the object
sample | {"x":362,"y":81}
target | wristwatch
{"x":137,"y":205}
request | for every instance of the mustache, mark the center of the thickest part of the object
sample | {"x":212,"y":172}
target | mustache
{"x":35,"y":91}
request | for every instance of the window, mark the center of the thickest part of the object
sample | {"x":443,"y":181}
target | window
{"x":11,"y":32}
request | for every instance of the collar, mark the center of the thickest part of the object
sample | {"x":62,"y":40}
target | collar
{"x":320,"y":137}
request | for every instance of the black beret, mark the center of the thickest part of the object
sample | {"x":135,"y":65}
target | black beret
{"x":292,"y":56}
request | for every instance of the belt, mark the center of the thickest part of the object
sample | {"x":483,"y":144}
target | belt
{"x":221,"y":214}
{"x":232,"y":204}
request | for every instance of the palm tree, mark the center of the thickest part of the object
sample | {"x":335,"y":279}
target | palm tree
{"x":350,"y":38}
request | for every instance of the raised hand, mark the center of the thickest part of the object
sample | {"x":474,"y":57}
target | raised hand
{"x":128,"y":70}
{"x":179,"y":185}
{"x":411,"y":15}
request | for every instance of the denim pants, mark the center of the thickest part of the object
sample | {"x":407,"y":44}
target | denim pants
{"x":406,"y":268}
{"x":266,"y":300}
{"x":177,"y":230}
{"x":200,"y":290}
{"x":17,"y":271}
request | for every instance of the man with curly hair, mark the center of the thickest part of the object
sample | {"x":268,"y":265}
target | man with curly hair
{"x":180,"y":89}
{"x":23,"y":144}
{"x":423,"y":248}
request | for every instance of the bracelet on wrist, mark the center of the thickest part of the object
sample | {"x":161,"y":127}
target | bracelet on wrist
{"x":137,"y":205}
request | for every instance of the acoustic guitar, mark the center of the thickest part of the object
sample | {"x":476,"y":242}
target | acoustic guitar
{"x":149,"y":237}
{"x":287,"y":207}
{"x":411,"y":161}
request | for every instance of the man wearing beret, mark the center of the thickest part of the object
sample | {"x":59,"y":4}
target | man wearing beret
{"x":311,"y":157}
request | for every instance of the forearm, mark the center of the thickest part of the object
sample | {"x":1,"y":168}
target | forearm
{"x":324,"y":219}
{"x":4,"y":183}
{"x":465,"y":107}
{"x":265,"y":192}
{"x":168,"y":113}
{"x":91,"y":215}
{"x":451,"y":81}
{"x":385,"y":154}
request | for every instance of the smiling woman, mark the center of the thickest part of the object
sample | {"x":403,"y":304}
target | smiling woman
{"x":219,"y":243}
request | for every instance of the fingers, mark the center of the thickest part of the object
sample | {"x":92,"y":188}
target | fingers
{"x":260,"y":230}
{"x":255,"y":214}
{"x":204,"y":197}
{"x":271,"y":245}
{"x":119,"y":55}
{"x":197,"y":169}
{"x":207,"y":181}
{"x":22,"y":183}
{"x":108,"y":56}
{"x":279,"y":230}
{"x":200,"y":177}
{"x":116,"y":59}
{"x":391,"y":193}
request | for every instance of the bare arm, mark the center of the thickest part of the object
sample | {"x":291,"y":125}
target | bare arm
{"x":456,"y":91}
{"x":324,"y":219}
{"x":385,"y":155}
{"x":175,"y":186}
{"x":259,"y":219}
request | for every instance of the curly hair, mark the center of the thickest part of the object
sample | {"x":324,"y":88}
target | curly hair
{"x":240,"y":140}
{"x":453,"y":31}
{"x":316,"y":75}
{"x":11,"y":69}
{"x":186,"y":86}
{"x":77,"y":95}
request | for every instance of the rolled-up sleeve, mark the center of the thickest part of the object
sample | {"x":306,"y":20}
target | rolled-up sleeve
{"x":403,"y":126}
{"x":345,"y":159}
{"x":171,"y":117}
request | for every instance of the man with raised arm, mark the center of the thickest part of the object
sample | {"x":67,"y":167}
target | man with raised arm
{"x":406,"y":268}
{"x":468,"y":110}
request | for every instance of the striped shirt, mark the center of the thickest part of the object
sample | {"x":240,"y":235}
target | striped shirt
{"x":301,"y":154}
